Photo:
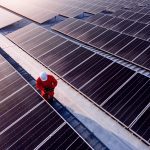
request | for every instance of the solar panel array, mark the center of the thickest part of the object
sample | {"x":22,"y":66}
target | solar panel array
{"x":111,"y":86}
{"x":27,"y":121}
{"x":123,"y":38}
{"x":7,"y":18}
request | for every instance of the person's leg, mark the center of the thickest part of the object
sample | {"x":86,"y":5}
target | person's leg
{"x":50,"y":97}
{"x":44,"y":95}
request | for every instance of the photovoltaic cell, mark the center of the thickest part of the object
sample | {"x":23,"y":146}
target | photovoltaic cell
{"x":133,"y":49}
{"x":70,"y":61}
{"x":88,"y":36}
{"x":122,"y":25}
{"x":135,"y":28}
{"x":103,"y":38}
{"x":37,"y":39}
{"x":94,"y":17}
{"x":112,"y":23}
{"x":126,"y":104}
{"x":57,"y":53}
{"x":25,"y":37}
{"x":106,"y":83}
{"x":72,"y":26}
{"x":141,"y":127}
{"x":114,"y":42}
{"x":120,"y":44}
{"x":22,"y":30}
{"x":118,"y":13}
{"x":90,"y":73}
{"x":52,"y":43}
{"x":102,"y":20}
{"x":63,"y":23}
{"x":81,"y":69}
{"x":81,"y":30}
{"x":66,"y":137}
{"x":144,"y":58}
{"x":145,"y":19}
{"x":144,"y":34}
{"x":136,"y":16}
{"x":127,"y":14}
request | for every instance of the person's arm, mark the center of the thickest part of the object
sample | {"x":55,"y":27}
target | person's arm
{"x":39,"y":85}
{"x":54,"y":82}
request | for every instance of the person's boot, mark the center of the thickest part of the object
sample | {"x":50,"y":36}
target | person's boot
{"x":50,"y":99}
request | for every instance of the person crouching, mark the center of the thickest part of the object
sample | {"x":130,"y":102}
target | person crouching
{"x":46,"y":84}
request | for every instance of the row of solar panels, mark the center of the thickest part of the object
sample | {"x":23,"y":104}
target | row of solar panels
{"x":112,"y":87}
{"x":41,"y":11}
{"x":27,"y":121}
{"x":119,"y":44}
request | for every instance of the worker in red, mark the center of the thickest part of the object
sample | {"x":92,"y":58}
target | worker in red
{"x":46,"y":84}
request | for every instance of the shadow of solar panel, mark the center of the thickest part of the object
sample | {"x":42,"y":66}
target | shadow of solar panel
{"x":141,"y":126}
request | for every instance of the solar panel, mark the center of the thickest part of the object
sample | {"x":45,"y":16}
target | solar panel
{"x":7,"y":18}
{"x":122,"y":104}
{"x":70,"y":61}
{"x":141,"y":127}
{"x":122,"y":25}
{"x":27,"y":121}
{"x":127,"y":14}
{"x":134,"y":28}
{"x":72,"y":26}
{"x":136,"y":16}
{"x":109,"y":24}
{"x":81,"y":30}
{"x":102,"y":20}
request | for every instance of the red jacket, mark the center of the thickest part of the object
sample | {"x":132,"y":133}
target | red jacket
{"x":51,"y":82}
